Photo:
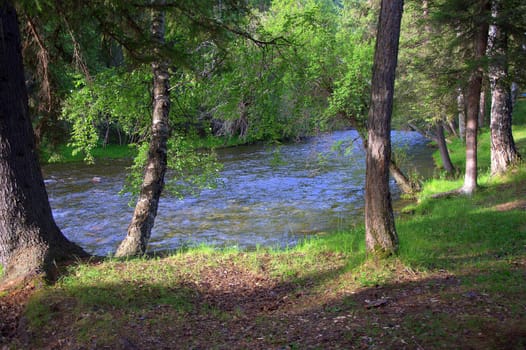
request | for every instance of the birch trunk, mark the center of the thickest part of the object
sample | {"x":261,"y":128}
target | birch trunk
{"x":140,"y":228}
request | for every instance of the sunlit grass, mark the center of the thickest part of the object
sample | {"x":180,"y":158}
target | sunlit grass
{"x":464,"y":236}
{"x":457,"y":150}
{"x":66,"y":154}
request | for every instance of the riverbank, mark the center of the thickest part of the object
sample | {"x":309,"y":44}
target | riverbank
{"x":458,"y":282}
{"x":66,"y":154}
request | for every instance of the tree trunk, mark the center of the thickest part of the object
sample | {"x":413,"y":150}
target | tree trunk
{"x":461,"y":106}
{"x":473,"y":102}
{"x":30,"y":241}
{"x":503,"y":151}
{"x":380,"y":232}
{"x":404,"y":183}
{"x":145,"y":212}
{"x":514,"y":94}
{"x":482,"y":107}
{"x":442,"y":148}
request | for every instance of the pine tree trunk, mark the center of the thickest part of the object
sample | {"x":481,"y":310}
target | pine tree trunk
{"x":30,"y":241}
{"x":514,"y":94}
{"x":482,"y":107}
{"x":380,"y":236}
{"x":461,"y":106}
{"x":442,"y":148}
{"x":473,"y":102}
{"x":145,"y":212}
{"x":503,"y":151}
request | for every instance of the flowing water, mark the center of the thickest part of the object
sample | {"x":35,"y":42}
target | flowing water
{"x":270,"y":196}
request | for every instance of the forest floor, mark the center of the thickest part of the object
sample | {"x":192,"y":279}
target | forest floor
{"x":458,"y":282}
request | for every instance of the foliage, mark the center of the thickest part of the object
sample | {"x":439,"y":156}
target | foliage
{"x":190,"y":170}
{"x":355,"y":49}
{"x":115,"y":98}
{"x":64,"y":153}
{"x":321,"y":58}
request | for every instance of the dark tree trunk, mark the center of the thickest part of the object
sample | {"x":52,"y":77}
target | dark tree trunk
{"x":145,"y":212}
{"x":404,"y":184}
{"x":30,"y":241}
{"x":473,"y":102}
{"x":503,"y":151}
{"x":380,"y":236}
{"x":442,"y":148}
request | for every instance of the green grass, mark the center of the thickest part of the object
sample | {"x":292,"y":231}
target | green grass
{"x":479,"y":247}
{"x":465,"y":236}
{"x":457,"y":150}
{"x":66,"y":154}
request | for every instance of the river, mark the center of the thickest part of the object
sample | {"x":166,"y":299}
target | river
{"x":270,"y":196}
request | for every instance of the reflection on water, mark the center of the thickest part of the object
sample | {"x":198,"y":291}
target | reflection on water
{"x":269,"y":197}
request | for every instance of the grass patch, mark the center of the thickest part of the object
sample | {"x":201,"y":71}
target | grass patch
{"x":457,"y":149}
{"x":457,"y":282}
{"x":459,"y":272}
{"x":66,"y":154}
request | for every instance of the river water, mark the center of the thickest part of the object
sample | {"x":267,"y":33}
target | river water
{"x":270,"y":196}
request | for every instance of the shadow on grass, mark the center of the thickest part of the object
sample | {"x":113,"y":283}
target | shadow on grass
{"x":444,"y":311}
{"x":471,"y":295}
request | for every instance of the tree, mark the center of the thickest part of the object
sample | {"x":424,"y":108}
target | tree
{"x":381,"y":237}
{"x":480,"y":38}
{"x":422,"y":98}
{"x":142,"y":222}
{"x":503,"y":151}
{"x":30,"y":241}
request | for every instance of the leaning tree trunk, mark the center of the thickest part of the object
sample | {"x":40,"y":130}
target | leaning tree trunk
{"x":442,"y":148}
{"x":143,"y":219}
{"x":473,"y":103}
{"x":380,"y":232}
{"x":503,"y":151}
{"x":30,"y":241}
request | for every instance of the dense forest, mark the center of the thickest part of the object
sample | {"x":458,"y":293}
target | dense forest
{"x":170,"y":82}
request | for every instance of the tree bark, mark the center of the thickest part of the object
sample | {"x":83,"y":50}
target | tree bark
{"x":442,"y":148}
{"x":503,"y":151}
{"x":145,"y":212}
{"x":473,"y":102}
{"x":404,"y":183}
{"x":30,"y":241}
{"x":514,"y":94}
{"x":381,"y":237}
{"x":461,"y":106}
{"x":482,"y":107}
